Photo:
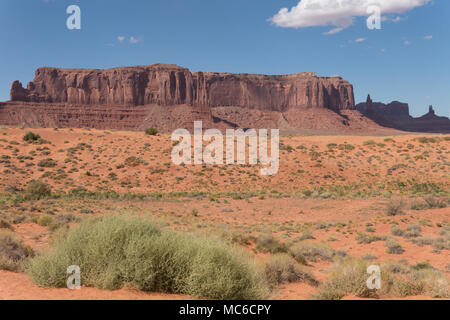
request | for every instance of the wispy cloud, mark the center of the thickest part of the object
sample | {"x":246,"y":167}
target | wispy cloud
{"x":406,"y":43}
{"x":428,"y":37}
{"x":360,"y":40}
{"x":338,"y":13}
{"x":334,"y":31}
{"x":134,"y":40}
{"x":392,"y":19}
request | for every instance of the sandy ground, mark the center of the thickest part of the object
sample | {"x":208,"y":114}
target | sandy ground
{"x":14,"y":286}
{"x":103,"y":161}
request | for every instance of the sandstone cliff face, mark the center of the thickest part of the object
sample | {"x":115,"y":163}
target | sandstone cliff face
{"x":169,"y":85}
{"x":169,"y":97}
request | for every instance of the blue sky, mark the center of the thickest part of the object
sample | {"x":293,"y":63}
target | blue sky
{"x":407,"y":60}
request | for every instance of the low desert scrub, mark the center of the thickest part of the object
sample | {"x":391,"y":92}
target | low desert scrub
{"x":438,"y":244}
{"x":281,"y":268}
{"x":44,"y":220}
{"x":268,"y":244}
{"x":397,"y":231}
{"x":5,"y":225}
{"x":116,"y":251}
{"x":434,"y":203}
{"x":413,"y":231}
{"x":47,"y":163}
{"x":429,"y":202}
{"x":12,"y":251}
{"x":133,"y":161}
{"x":423,"y":241}
{"x":418,"y":205}
{"x":348,"y":277}
{"x":421,"y":279}
{"x":393,"y":247}
{"x":37,"y":190}
{"x":363,"y":238}
{"x":311,"y":251}
{"x":31,"y":137}
{"x":151,"y":132}
{"x":395,"y":207}
{"x":445,"y":232}
{"x":395,"y":267}
{"x":427,"y":140}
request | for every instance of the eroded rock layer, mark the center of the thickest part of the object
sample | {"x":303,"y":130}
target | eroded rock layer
{"x":168,"y":85}
{"x":169,"y":97}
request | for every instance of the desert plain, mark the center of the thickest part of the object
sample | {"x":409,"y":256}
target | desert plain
{"x":337,"y":205}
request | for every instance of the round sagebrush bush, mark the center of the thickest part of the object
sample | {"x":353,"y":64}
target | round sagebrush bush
{"x":282,"y":268}
{"x":151,"y":131}
{"x":116,"y":251}
{"x":31,"y":137}
{"x":311,"y":251}
{"x":393,"y":247}
{"x":37,"y":190}
{"x":223,"y":274}
{"x":12,"y":251}
{"x":348,"y":277}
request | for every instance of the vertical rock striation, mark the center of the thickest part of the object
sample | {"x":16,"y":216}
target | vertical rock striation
{"x":168,"y":85}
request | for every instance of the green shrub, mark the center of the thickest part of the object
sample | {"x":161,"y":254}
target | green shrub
{"x":115,"y":251}
{"x":37,"y":190}
{"x":268,"y":244}
{"x":369,"y":143}
{"x":427,"y":140}
{"x":5,"y":224}
{"x":418,"y":205}
{"x":44,"y":220}
{"x":363,"y":238}
{"x":397,"y":231}
{"x":434,"y":203}
{"x":12,"y":251}
{"x":393,"y":247}
{"x":423,"y":281}
{"x":311,"y":251}
{"x":423,"y":241}
{"x":47,"y":163}
{"x":281,"y":268}
{"x":133,"y":161}
{"x":396,"y":267}
{"x":348,"y":277}
{"x":151,"y":132}
{"x":413,"y":231}
{"x":31,"y":137}
{"x":395,"y":207}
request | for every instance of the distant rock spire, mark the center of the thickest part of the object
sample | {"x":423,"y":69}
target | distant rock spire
{"x":431,"y":110}
{"x":369,"y":107}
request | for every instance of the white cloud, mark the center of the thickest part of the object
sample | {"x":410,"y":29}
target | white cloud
{"x":360,"y":40}
{"x":334,"y":31}
{"x":428,"y":37}
{"x":134,"y":40}
{"x":338,"y":13}
{"x":121,"y":38}
{"x":406,"y":43}
{"x":391,"y":19}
